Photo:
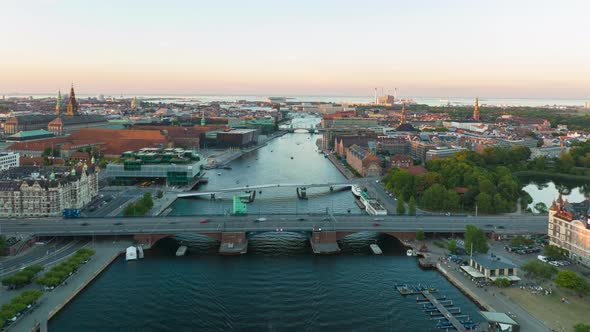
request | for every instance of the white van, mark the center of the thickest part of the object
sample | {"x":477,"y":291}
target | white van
{"x":542,"y":258}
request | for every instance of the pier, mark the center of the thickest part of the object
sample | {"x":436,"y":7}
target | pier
{"x":448,"y":313}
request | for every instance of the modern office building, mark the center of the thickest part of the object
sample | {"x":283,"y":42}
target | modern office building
{"x":169,"y":166}
{"x":9,"y":160}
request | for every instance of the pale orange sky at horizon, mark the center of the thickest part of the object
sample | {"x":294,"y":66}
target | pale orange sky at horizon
{"x":460,"y":48}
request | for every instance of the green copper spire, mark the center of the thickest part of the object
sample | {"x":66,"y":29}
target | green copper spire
{"x":203,"y":119}
{"x":58,"y":103}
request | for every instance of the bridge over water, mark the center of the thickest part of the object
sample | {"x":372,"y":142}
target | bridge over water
{"x":301,"y":188}
{"x":233,"y":231}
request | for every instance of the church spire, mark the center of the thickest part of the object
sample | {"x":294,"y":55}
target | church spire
{"x":58,"y":103}
{"x":203,"y":123}
{"x":476,"y":110}
{"x":403,"y":117}
{"x":72,"y":103}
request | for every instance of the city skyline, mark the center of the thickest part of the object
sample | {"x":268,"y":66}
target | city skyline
{"x":493,"y":48}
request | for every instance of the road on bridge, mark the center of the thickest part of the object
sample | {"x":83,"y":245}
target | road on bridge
{"x":294,"y":223}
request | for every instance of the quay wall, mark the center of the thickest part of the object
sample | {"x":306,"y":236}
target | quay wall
{"x":83,"y":285}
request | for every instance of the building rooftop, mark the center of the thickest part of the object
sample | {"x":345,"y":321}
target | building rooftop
{"x":492,"y":263}
{"x":31,"y":133}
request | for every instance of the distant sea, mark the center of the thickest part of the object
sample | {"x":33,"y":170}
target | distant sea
{"x":433,"y":101}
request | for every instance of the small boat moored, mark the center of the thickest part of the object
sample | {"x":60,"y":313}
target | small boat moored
{"x":131,"y":253}
{"x":411,"y":252}
{"x":375,"y":249}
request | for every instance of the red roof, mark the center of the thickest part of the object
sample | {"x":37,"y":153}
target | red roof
{"x":417,"y":170}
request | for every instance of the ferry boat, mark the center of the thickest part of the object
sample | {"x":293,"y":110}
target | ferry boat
{"x":411,"y":252}
{"x":356,"y":190}
{"x":372,"y":206}
{"x":131,"y":254}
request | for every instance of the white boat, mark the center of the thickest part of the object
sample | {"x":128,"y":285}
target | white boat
{"x":131,"y":254}
{"x":139,"y":252}
{"x":356,"y":190}
{"x":411,"y":252}
{"x":375,"y":249}
{"x":181,"y":251}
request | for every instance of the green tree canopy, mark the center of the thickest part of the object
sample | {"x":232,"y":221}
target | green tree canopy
{"x":400,"y":209}
{"x":539,"y":270}
{"x":475,"y":236}
{"x":412,"y":206}
{"x":420,"y":236}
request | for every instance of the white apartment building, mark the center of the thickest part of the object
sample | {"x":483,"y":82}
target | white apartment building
{"x":8,"y":160}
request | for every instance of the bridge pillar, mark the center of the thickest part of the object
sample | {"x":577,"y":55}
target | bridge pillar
{"x":301,"y":193}
{"x":213,"y":196}
{"x":233,"y":243}
{"x":324,"y":242}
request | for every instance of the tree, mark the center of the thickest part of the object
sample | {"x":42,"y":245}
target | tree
{"x":502,"y":282}
{"x":476,"y":238}
{"x":412,"y":206}
{"x":539,"y":270}
{"x":581,"y":327}
{"x":159,"y":194}
{"x":401,"y":209}
{"x":420,"y":236}
{"x":541,"y":208}
{"x":484,"y":203}
{"x":452,"y":246}
{"x":554,"y":253}
{"x":570,"y":279}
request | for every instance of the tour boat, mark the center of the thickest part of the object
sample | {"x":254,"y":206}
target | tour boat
{"x":356,"y":190}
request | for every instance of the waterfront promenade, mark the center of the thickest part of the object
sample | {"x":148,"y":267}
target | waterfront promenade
{"x":51,"y":302}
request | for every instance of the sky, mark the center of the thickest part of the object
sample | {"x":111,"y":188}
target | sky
{"x":494,"y":48}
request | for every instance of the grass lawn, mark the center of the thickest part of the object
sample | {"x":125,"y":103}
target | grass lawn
{"x":550,"y":310}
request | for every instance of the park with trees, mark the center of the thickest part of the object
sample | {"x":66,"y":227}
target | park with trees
{"x":465,"y":182}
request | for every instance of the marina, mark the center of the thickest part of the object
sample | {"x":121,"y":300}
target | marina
{"x":440,"y":309}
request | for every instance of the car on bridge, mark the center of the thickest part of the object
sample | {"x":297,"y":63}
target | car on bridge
{"x":204,"y":221}
{"x":260,"y":219}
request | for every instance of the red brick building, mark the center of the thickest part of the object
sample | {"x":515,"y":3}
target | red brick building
{"x":363,"y":161}
{"x":401,"y":161}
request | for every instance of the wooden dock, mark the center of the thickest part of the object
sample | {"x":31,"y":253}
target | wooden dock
{"x":444,"y":311}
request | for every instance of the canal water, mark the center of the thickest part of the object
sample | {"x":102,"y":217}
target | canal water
{"x":292,"y":158}
{"x":279,"y":285}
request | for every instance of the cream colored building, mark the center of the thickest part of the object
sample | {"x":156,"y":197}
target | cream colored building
{"x":569,"y":228}
{"x":46,"y":191}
